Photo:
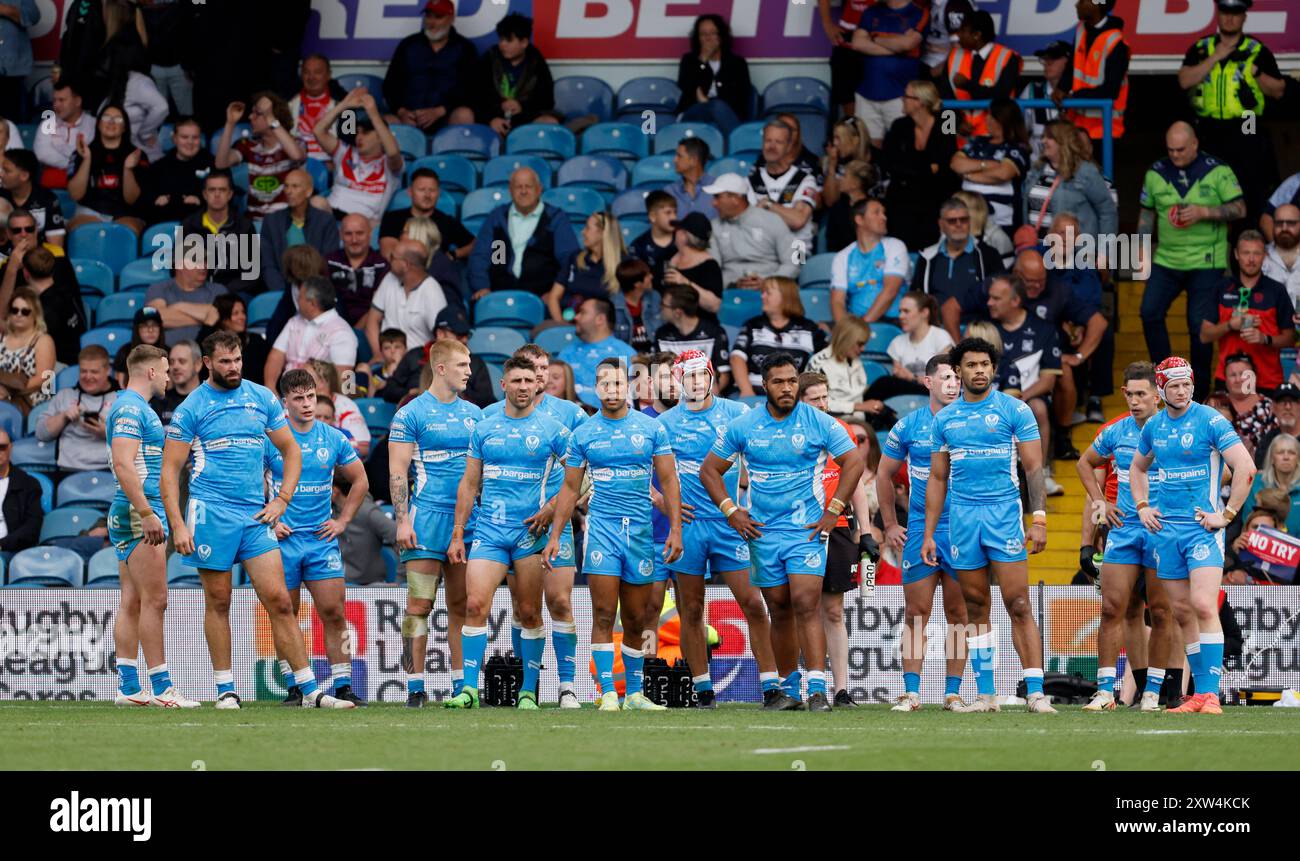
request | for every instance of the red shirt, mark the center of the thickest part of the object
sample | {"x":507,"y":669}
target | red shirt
{"x":831,"y":477}
{"x":851,"y":13}
{"x":1270,"y":306}
{"x":310,"y":110}
{"x":1111,"y":487}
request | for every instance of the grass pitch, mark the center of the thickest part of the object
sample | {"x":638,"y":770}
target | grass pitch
{"x":99,"y":736}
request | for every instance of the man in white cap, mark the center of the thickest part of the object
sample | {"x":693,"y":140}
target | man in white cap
{"x":749,"y":243}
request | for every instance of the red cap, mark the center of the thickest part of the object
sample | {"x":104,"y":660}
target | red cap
{"x":689,"y":361}
{"x":441,"y":8}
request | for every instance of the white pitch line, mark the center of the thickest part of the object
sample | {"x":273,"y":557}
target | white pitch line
{"x":810,"y":748}
{"x":1163,"y":732}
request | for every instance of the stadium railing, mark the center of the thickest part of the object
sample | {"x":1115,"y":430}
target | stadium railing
{"x":1106,"y":106}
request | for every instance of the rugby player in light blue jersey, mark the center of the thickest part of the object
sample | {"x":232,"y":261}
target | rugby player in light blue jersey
{"x":139,"y":533}
{"x":223,"y":423}
{"x":975,"y":440}
{"x":909,"y":442}
{"x":307,"y":532}
{"x":559,"y":582}
{"x":429,"y":436}
{"x":709,"y":545}
{"x":1189,"y":444}
{"x":619,"y":447}
{"x":785,"y":445}
{"x":513,"y":466}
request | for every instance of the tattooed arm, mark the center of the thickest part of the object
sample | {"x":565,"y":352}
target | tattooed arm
{"x":1031,"y":456}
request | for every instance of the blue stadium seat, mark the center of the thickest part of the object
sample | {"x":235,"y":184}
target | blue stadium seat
{"x":41,"y":409}
{"x":90,"y":301}
{"x":321,"y":175}
{"x":181,"y":575}
{"x":33,"y":455}
{"x":620,"y":140}
{"x":629,"y":204}
{"x":475,"y":142}
{"x":812,"y":128}
{"x":67,"y":378}
{"x":602,"y":173}
{"x":455,"y":173}
{"x":495,"y":372}
{"x":242,"y":130}
{"x":881,"y":335}
{"x":514,"y":309}
{"x":166,"y":229}
{"x":748,"y":136}
{"x":27,"y":131}
{"x":68,"y":522}
{"x":556,"y":338}
{"x":46,"y":566}
{"x":111,"y":338}
{"x":496,"y":173}
{"x":479,"y":204}
{"x":373,"y":84}
{"x":797,"y":96}
{"x":553,"y":142}
{"x":579,"y":95}
{"x":739,"y":305}
{"x":239,"y":176}
{"x":731,"y":164}
{"x":114,"y":244}
{"x":411,"y":140}
{"x":118,"y":308}
{"x":578,"y":202}
{"x":11,"y":420}
{"x":904,"y":405}
{"x":102,"y":570}
{"x":400,"y":200}
{"x":94,"y":275}
{"x":139,"y":272}
{"x":495,"y":343}
{"x":378,"y":414}
{"x":817,"y":271}
{"x":875,"y":371}
{"x":669,"y":137}
{"x":92,"y":489}
{"x":47,"y":490}
{"x":262,"y":307}
{"x":66,"y":203}
{"x":654,"y":172}
{"x":632,"y":227}
{"x":816,"y":303}
{"x":640,"y":94}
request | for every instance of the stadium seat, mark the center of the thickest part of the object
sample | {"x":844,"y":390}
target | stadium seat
{"x":242,"y":130}
{"x":653,"y":172}
{"x":632,"y":227}
{"x":118,"y":308}
{"x":47,"y":490}
{"x":94,"y":275}
{"x":455,"y":173}
{"x":731,"y":164}
{"x":41,"y":409}
{"x":27,"y":131}
{"x":513,"y":309}
{"x":166,"y":229}
{"x":904,"y":405}
{"x":475,"y":142}
{"x":669,"y":137}
{"x":400,"y":200}
{"x":812,"y":128}
{"x":140,"y":272}
{"x":816,"y":303}
{"x":748,"y":136}
{"x":601,"y":173}
{"x":556,"y":338}
{"x":739,"y":305}
{"x":495,"y":343}
{"x":321,"y":175}
{"x":579,"y":95}
{"x":496,"y":173}
{"x":68,"y":522}
{"x":479,"y":204}
{"x":378,"y":414}
{"x":67,"y":378}
{"x":46,"y":566}
{"x":373,"y":84}
{"x":577,"y":202}
{"x":641,"y":94}
{"x":92,"y":489}
{"x":33,"y":454}
{"x":817,"y":271}
{"x":797,"y":96}
{"x":881,"y":335}
{"x":495,"y":372}
{"x":102,"y":570}
{"x":620,"y":140}
{"x":181,"y":575}
{"x":111,"y":338}
{"x":630,"y":204}
{"x":875,"y":371}
{"x":11,"y":420}
{"x":262,"y":307}
{"x":553,"y":142}
{"x":114,"y":244}
{"x":90,"y":301}
{"x":411,"y":140}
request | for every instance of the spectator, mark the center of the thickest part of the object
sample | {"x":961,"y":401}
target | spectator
{"x":1281,"y":257}
{"x":559,"y":381}
{"x":849,"y":144}
{"x":56,"y":143}
{"x":889,"y":34}
{"x":315,"y":332}
{"x":593,"y":270}
{"x":916,"y":156}
{"x":656,"y":246}
{"x":985,"y":229}
{"x":173,"y":185}
{"x":431,"y":78}
{"x":21,"y":514}
{"x":1286,"y":411}
{"x":1252,"y":412}
{"x":749,"y":243}
{"x":1191,"y":242}
{"x":846,"y":63}
{"x":515,"y":84}
{"x":979,"y":68}
{"x":82,"y":42}
{"x":102,"y":178}
{"x":299,"y":263}
{"x":15,"y":53}
{"x":171,"y":33}
{"x":26,"y":354}
{"x":407,"y":299}
{"x":347,"y":416}
{"x":1240,"y":572}
{"x":76,"y":415}
{"x":1255,"y":315}
{"x":10,"y":135}
{"x":232,"y":316}
{"x":61,"y":306}
{"x":425,"y":190}
{"x":1286,"y":193}
{"x":954,"y":270}
{"x":1066,"y":180}
{"x":692,"y":266}
{"x":684,"y":328}
{"x":299,"y":223}
{"x":217,"y":218}
{"x":689,"y":159}
{"x":781,"y":328}
{"x":20,"y":171}
{"x":922,"y":337}
{"x":713,"y":79}
{"x":803,"y":157}
{"x":1280,"y":471}
{"x":405,"y":381}
{"x":858,"y":181}
{"x":361,"y":544}
{"x":537,"y":238}
{"x":846,"y":376}
{"x":945,"y":20}
{"x":185,"y":300}
{"x":367,"y":172}
{"x":636,"y":305}
{"x":783,"y":188}
{"x":136,"y":92}
{"x":1053,"y":58}
{"x":995,"y":165}
{"x":867,"y":277}
{"x":319,"y":94}
{"x":392,"y":348}
{"x":594,"y":326}
{"x":1098,"y":68}
{"x":356,"y":269}
{"x":439,"y":265}
{"x":184,"y":361}
{"x":270,"y":152}
{"x":146,"y":328}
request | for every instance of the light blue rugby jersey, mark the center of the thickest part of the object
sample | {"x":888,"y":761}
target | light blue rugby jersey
{"x":522,"y":465}
{"x":1119,"y":442}
{"x":619,"y":456}
{"x":1188,"y":460}
{"x":441,"y":435}
{"x":980,"y":438}
{"x":566,"y":413}
{"x":692,"y":435}
{"x":911,"y":440}
{"x":225,"y":429}
{"x":131,"y":417}
{"x":323,"y":448}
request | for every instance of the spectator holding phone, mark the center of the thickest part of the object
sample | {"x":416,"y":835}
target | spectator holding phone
{"x":76,"y":415}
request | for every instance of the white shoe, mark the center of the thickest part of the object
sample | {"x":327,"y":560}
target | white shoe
{"x":321,"y":700}
{"x":608,"y":702}
{"x":228,"y":700}
{"x":982,"y":703}
{"x":172,"y":699}
{"x":1077,"y":418}
{"x":1038,"y":704}
{"x":908,"y":702}
{"x":1150,"y":702}
{"x":639,"y":702}
{"x":139,"y":698}
{"x":1053,"y":489}
{"x":1102,"y":701}
{"x":953,"y":702}
{"x":569,"y":700}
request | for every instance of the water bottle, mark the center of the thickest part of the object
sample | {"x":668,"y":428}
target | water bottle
{"x":1096,"y":561}
{"x":868,"y":549}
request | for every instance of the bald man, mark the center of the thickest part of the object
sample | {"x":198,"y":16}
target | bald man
{"x":1282,"y":257}
{"x":299,"y":224}
{"x":522,"y":245}
{"x":1188,"y":200}
{"x":408,"y":298}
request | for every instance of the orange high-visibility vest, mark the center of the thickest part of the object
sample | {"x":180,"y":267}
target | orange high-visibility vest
{"x":959,"y":63}
{"x":1090,"y":71}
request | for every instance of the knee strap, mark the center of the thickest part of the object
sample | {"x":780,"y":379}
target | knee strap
{"x":423,"y":587}
{"x":414,"y":626}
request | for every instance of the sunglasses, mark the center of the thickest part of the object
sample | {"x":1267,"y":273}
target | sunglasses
{"x":13,"y":229}
{"x":961,"y":219}
{"x":21,"y":312}
{"x":4,"y":446}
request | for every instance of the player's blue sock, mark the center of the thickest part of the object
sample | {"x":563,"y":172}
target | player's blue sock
{"x":1106,"y":679}
{"x":305,"y":679}
{"x":533,"y":643}
{"x":286,"y":672}
{"x":951,"y":685}
{"x":1034,"y":681}
{"x":702,"y":683}
{"x":415,"y":684}
{"x":769,"y":681}
{"x":1193,"y":651}
{"x":602,"y":654}
{"x":159,"y":678}
{"x":793,"y":685}
{"x":983,"y":655}
{"x":816,"y":682}
{"x":1211,"y":663}
{"x":225,"y":680}
{"x":564,"y":639}
{"x":341,"y":674}
{"x":912,"y":683}
{"x":128,"y":678}
{"x":634,"y":670}
{"x":517,"y":639}
{"x":457,"y":682}
{"x":473,"y":644}
{"x":1155,"y":680}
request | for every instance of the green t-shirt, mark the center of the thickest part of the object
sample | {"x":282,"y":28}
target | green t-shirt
{"x":1205,"y":182}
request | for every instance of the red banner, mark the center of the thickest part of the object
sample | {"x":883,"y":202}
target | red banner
{"x":1277,"y":552}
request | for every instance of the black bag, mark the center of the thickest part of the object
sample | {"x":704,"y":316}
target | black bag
{"x":1071,"y":690}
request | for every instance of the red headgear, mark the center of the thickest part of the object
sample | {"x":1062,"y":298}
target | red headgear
{"x":1171,"y":370}
{"x":689,"y":361}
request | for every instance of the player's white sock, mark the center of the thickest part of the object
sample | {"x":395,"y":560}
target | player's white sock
{"x":769,"y":681}
{"x":305,"y":679}
{"x":286,"y":673}
{"x":341,"y":674}
{"x":225,"y":681}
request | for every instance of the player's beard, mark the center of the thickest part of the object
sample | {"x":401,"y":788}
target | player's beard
{"x":226,"y":383}
{"x":976,"y":389}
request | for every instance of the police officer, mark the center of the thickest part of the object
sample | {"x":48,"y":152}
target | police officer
{"x":1228,"y":75}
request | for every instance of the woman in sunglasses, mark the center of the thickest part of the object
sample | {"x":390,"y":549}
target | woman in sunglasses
{"x":26,"y":353}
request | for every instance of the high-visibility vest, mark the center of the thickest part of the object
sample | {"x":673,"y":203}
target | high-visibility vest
{"x":1230,"y":89}
{"x":959,"y":63}
{"x":1090,"y":71}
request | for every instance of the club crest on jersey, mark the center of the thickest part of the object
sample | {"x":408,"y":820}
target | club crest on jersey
{"x":637,"y":441}
{"x":532,"y":441}
{"x":468,"y":422}
{"x":953,"y":551}
{"x":645,"y":567}
{"x":566,"y":550}
{"x":1187,"y":440}
{"x":1201,"y":553}
{"x":991,"y":420}
{"x":812,"y":560}
{"x":333,"y":563}
{"x":797,"y":441}
{"x":721,"y":431}
{"x":742,"y":552}
{"x":323,"y":454}
{"x":204,"y":551}
{"x":1014,"y":545}
{"x":597,"y":557}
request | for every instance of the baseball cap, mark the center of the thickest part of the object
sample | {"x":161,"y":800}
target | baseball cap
{"x":1234,"y":5}
{"x":441,"y":8}
{"x":454,"y":319}
{"x":1057,"y":50}
{"x":1287,"y":392}
{"x":728,"y":183}
{"x":696,"y":224}
{"x":147,"y":314}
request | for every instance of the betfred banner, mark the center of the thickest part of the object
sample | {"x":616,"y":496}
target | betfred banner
{"x":57,"y":644}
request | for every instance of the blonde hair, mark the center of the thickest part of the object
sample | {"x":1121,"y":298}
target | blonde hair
{"x":426,"y":231}
{"x":927,"y":94}
{"x":844,"y":336}
{"x":570,"y":390}
{"x":978,"y":208}
{"x":445,"y":350}
{"x":791,"y":304}
{"x":856,"y":128}
{"x":1270,"y":475}
{"x":985,"y":330}
{"x":1066,"y":135}
{"x":612,"y":250}
{"x":328,"y":374}
{"x":33,"y":301}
